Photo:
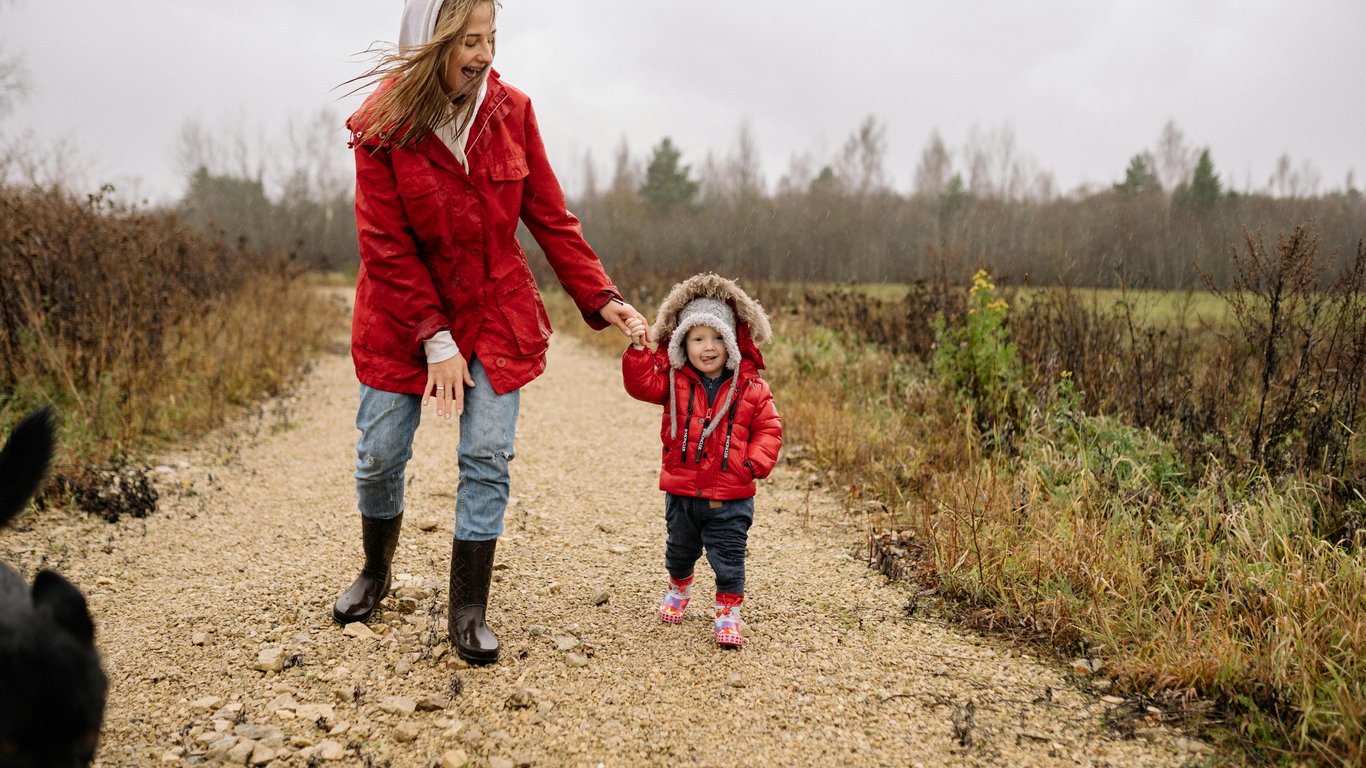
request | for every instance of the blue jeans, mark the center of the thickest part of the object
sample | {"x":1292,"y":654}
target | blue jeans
{"x":723,"y":531}
{"x":387,"y":421}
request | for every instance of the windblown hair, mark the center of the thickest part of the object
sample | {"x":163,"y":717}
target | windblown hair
{"x":418,"y":100}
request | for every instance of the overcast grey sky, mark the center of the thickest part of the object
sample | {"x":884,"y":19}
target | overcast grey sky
{"x":1083,"y":85}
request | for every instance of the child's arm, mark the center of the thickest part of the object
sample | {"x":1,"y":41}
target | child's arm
{"x":645,"y":378}
{"x":765,"y":433}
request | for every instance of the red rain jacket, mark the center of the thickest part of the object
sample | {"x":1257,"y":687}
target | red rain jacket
{"x":742,"y":449}
{"x":439,"y":249}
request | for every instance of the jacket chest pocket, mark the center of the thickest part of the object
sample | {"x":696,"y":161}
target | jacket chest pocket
{"x":513,"y":168}
{"x":423,"y":203}
{"x":507,"y":177}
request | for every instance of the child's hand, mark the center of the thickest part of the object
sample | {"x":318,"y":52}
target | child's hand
{"x":625,"y":318}
{"x":638,"y":341}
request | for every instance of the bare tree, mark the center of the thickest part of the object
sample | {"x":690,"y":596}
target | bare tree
{"x":977,"y":156}
{"x":229,"y":153}
{"x":935,"y":168}
{"x":745,"y":166}
{"x":1043,"y":188}
{"x":590,"y":176}
{"x":1289,"y":180}
{"x":1310,"y":178}
{"x":13,"y":78}
{"x":195,"y":148}
{"x":713,"y":187}
{"x":1006,"y":167}
{"x":13,"y":84}
{"x":1285,"y":180}
{"x":311,"y":169}
{"x":625,"y":176}
{"x":59,"y":163}
{"x":1175,"y":159}
{"x":800,"y":174}
{"x":860,"y":165}
{"x":996,"y":169}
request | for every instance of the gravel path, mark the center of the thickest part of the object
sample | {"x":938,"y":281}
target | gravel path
{"x":257,"y":532}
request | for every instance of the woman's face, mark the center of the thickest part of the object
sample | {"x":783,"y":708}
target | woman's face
{"x":471,"y":56}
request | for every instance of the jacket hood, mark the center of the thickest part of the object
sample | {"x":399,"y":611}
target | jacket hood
{"x":419,"y":22}
{"x":752,"y":326}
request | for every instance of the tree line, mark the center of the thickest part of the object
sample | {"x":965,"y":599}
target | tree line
{"x":1168,"y":222}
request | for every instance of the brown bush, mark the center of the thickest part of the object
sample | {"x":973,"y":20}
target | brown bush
{"x":137,"y":327}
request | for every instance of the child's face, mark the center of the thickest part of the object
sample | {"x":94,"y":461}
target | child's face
{"x":706,"y":349}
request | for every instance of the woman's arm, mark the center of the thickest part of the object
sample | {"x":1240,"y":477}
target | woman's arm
{"x":559,"y":232}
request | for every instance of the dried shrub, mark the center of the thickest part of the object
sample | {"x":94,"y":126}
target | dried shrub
{"x":138,"y":328}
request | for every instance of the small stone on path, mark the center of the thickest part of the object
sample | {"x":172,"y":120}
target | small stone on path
{"x":271,"y":659}
{"x":357,"y":629}
{"x":398,"y":705}
{"x":455,"y":758}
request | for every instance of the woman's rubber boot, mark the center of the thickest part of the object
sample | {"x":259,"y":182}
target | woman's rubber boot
{"x":471,"y":573}
{"x":379,"y":539}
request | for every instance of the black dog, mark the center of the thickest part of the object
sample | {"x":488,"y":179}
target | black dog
{"x":52,"y":686}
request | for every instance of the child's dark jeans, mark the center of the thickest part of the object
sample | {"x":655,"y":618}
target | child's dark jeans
{"x":723,"y":530}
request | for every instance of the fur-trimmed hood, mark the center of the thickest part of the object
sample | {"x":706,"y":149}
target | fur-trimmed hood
{"x":752,"y":326}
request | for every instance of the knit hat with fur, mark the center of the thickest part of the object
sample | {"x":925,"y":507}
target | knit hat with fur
{"x":713,"y":313}
{"x":707,"y":299}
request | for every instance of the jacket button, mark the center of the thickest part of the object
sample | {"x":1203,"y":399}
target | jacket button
{"x":501,"y":362}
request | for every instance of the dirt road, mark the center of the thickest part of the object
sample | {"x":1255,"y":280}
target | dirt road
{"x":214,"y":619}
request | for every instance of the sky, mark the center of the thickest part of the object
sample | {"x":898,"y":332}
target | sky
{"x":1081,"y":85}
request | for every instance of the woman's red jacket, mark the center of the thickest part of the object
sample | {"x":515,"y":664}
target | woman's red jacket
{"x":439,"y":249}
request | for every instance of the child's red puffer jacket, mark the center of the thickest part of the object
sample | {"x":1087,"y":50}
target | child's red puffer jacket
{"x":743,"y":447}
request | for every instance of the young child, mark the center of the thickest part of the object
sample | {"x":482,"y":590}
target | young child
{"x":721,"y":433}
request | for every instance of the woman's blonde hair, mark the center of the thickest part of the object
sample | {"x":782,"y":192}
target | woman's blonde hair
{"x":418,"y":100}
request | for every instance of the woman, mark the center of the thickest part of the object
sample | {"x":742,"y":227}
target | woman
{"x":448,"y":158}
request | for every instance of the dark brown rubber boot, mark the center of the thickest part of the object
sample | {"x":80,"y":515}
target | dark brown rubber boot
{"x":379,"y":539}
{"x":471,"y":573}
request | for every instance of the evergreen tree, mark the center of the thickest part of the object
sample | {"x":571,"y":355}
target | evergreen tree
{"x":237,"y":206}
{"x":953,"y":199}
{"x":1138,"y":177}
{"x":667,"y":185}
{"x":825,"y":183}
{"x":1205,"y":187}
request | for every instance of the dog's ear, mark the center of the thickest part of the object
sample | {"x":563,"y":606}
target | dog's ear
{"x":59,"y":599}
{"x":24,"y":460}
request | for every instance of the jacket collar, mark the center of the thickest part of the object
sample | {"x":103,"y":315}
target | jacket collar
{"x":492,"y":109}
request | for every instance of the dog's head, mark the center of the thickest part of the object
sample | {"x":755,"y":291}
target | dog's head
{"x":52,"y":686}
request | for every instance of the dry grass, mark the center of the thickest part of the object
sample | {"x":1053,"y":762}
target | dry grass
{"x":137,"y":328}
{"x":1214,"y":595}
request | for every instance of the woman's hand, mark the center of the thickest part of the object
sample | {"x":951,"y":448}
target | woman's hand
{"x":627,"y":319}
{"x":446,"y":381}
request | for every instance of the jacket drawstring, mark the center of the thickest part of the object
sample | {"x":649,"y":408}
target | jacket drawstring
{"x":730,"y":427}
{"x":692,"y":391}
{"x":673,"y":406}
